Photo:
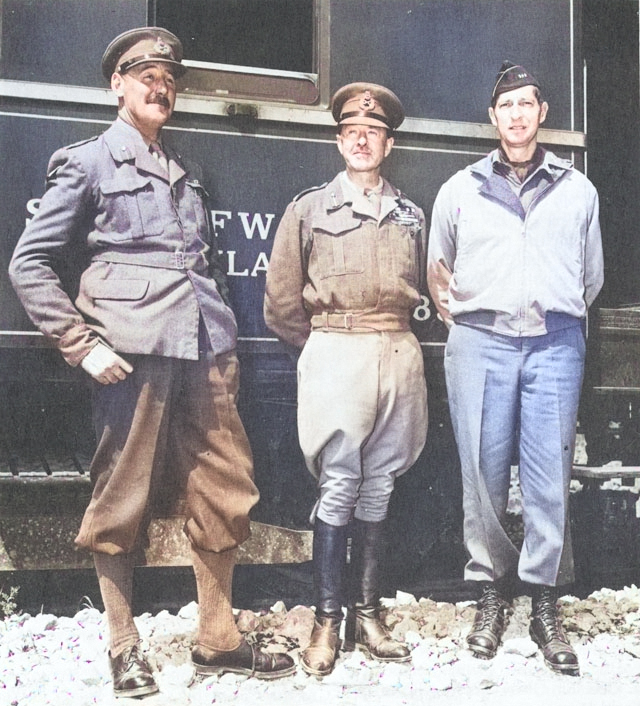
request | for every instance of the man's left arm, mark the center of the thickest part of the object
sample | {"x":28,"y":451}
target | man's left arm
{"x":441,"y":253}
{"x":593,"y":257}
{"x":216,"y":269}
{"x":422,"y":255}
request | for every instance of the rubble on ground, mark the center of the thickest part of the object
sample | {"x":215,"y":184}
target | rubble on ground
{"x":46,"y":659}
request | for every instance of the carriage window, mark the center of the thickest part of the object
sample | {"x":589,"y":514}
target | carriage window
{"x":260,"y":49}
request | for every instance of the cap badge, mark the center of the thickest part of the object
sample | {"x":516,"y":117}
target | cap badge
{"x":367,"y":102}
{"x":161,"y":47}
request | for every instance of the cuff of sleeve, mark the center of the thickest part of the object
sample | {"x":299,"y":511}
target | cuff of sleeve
{"x":76,"y":343}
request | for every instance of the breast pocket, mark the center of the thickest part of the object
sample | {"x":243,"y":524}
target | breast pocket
{"x":130,"y":208}
{"x":195,"y":200}
{"x":404,"y":240}
{"x":339,"y":248}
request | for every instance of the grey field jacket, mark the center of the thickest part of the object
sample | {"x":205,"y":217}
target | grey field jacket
{"x":151,"y":269}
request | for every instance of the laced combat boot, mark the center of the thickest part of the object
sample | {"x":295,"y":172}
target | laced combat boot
{"x":363,"y":627}
{"x":546,"y":631}
{"x":489,"y":623}
{"x":329,"y":561}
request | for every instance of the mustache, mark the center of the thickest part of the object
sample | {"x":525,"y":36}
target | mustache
{"x":160,"y":100}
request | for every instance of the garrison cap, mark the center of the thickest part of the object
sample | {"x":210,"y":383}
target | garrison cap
{"x":510,"y":77}
{"x":367,"y":104}
{"x":137,"y":46}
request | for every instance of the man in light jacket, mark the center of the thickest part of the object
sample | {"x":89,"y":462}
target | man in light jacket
{"x":514,"y":262}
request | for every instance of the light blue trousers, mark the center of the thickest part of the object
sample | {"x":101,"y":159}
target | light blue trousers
{"x":516,"y":398}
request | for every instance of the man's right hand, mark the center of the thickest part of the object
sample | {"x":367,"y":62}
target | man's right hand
{"x":104,"y":365}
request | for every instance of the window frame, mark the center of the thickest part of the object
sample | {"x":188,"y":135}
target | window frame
{"x":254,"y":84}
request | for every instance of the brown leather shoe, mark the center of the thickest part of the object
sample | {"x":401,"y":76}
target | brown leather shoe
{"x":246,"y":659}
{"x":365,"y":630}
{"x":489,"y":623}
{"x":321,"y":654}
{"x":131,"y":673}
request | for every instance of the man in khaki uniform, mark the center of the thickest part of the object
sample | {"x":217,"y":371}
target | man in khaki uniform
{"x":151,"y":325}
{"x":345,"y":273}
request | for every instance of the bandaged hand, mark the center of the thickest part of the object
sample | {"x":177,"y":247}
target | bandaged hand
{"x":104,"y":365}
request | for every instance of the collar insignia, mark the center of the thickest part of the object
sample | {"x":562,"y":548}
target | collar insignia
{"x":404,"y":214}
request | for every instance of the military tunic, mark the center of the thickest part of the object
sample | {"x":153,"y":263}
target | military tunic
{"x":153,"y":291}
{"x":341,"y":285}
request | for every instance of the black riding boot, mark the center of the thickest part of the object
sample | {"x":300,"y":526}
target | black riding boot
{"x":489,"y":622}
{"x":546,"y":631}
{"x":363,"y":626}
{"x":329,"y":560}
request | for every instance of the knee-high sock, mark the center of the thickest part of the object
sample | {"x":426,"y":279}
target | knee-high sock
{"x":214,"y":573}
{"x":115,"y":576}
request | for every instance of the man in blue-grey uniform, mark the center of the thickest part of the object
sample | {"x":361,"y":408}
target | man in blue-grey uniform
{"x":345,"y":274}
{"x":514,"y":262}
{"x":152,"y":326}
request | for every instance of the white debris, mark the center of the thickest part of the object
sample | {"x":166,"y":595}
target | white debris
{"x":47,"y":660}
{"x":189,"y":612}
{"x":441,"y":679}
{"x":405,"y":599}
{"x":523,"y":646}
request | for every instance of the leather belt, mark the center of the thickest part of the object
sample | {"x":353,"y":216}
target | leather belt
{"x":177,"y":260}
{"x":360,"y":321}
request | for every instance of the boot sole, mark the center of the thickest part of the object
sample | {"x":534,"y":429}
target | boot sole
{"x":140,"y":691}
{"x":204,"y":671}
{"x":482,"y":652}
{"x":352,"y":646}
{"x":571,"y":670}
{"x":315,"y":672}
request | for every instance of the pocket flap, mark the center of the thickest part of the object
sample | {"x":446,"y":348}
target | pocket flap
{"x":125,"y":289}
{"x":336,"y":224}
{"x":197,"y":186}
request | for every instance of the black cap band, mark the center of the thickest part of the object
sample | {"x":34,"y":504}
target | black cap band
{"x":125,"y":66}
{"x":367,"y":114}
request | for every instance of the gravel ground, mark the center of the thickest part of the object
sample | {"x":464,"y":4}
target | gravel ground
{"x":58,"y":661}
{"x":45,"y":660}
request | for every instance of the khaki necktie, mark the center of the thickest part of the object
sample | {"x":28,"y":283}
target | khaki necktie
{"x":160,"y":156}
{"x":374,"y":196}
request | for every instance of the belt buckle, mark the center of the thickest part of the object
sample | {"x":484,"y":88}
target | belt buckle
{"x":348,"y":321}
{"x":178,"y":257}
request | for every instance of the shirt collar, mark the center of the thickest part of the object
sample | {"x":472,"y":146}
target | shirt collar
{"x":350,"y":186}
{"x":554,"y":165}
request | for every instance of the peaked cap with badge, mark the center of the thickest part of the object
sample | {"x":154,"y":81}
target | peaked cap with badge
{"x":367,"y":104}
{"x":137,"y":46}
{"x":512,"y":76}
